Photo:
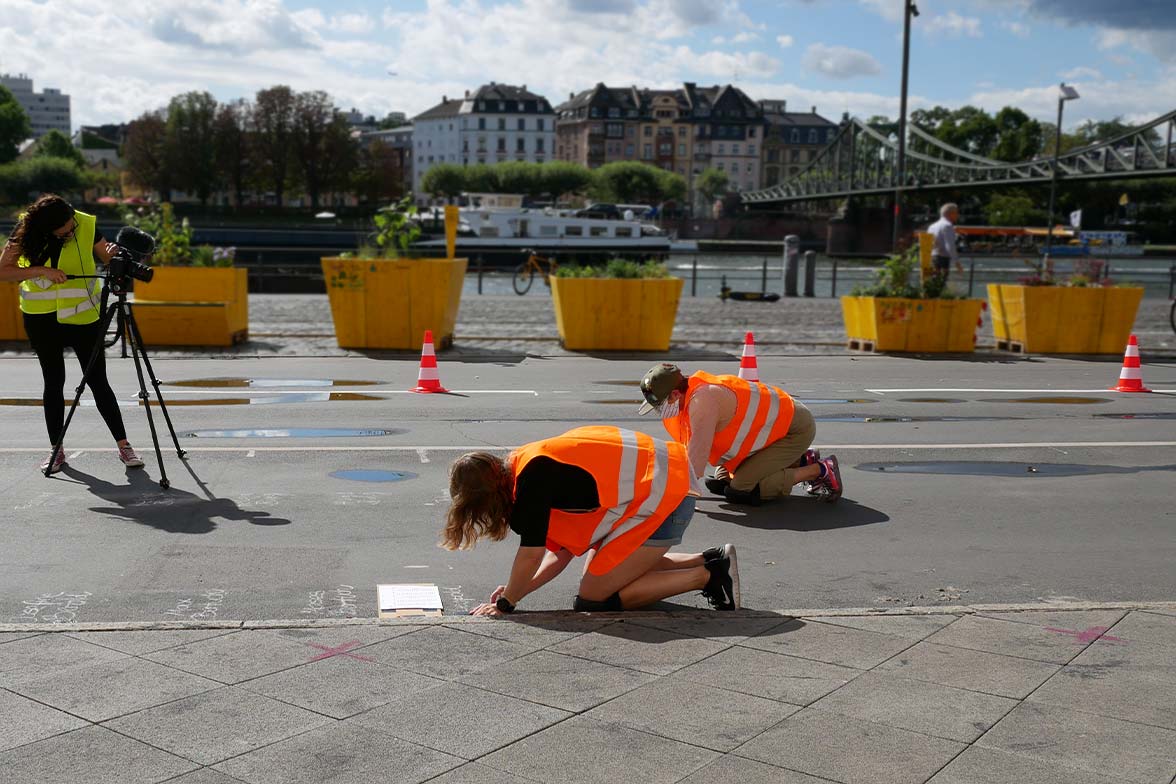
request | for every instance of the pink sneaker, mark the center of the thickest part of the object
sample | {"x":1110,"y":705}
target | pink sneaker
{"x":830,"y":485}
{"x":128,"y":457}
{"x":58,"y":464}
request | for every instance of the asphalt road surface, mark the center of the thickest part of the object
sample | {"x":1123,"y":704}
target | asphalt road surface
{"x":983,"y":481}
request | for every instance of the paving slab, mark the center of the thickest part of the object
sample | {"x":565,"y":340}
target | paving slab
{"x":964,"y":668}
{"x":1067,"y":619}
{"x":94,"y":755}
{"x":343,"y":753}
{"x":204,"y":776}
{"x":929,"y":708}
{"x":236,"y":657}
{"x":850,"y":750}
{"x":721,"y":629}
{"x":138,"y":643}
{"x":534,"y":630}
{"x":216,"y":725}
{"x":104,"y":691}
{"x":465,"y":653}
{"x":641,"y":648}
{"x":49,"y":654}
{"x":739,"y":770}
{"x":356,"y":636}
{"x":1156,"y":661}
{"x":1121,"y":692}
{"x":772,"y":675}
{"x":341,"y":686}
{"x":461,"y":720}
{"x":1149,"y":628}
{"x":476,"y":773}
{"x":599,"y":754}
{"x":832,"y":644}
{"x":14,"y":636}
{"x":979,"y":765}
{"x":1110,"y":747}
{"x":912,"y":627}
{"x":24,"y":721}
{"x":1010,"y":638}
{"x":714,"y":718}
{"x":566,"y":682}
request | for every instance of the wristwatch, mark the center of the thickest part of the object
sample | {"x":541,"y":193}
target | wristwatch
{"x":503,"y":604}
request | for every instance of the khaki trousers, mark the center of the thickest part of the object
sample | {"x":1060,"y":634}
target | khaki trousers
{"x":772,"y":468}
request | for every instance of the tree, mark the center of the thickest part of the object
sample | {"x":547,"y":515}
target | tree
{"x":1013,"y":209}
{"x":56,"y":144}
{"x":191,"y":143}
{"x":482,"y":178}
{"x":41,"y":174}
{"x":563,"y":177}
{"x":273,"y":129}
{"x":520,"y":177}
{"x":673,"y":186}
{"x":322,"y":141}
{"x":14,"y":125}
{"x":1106,"y":130}
{"x":628,"y":182}
{"x":231,"y":143}
{"x":711,"y":183}
{"x":445,"y":179}
{"x":1019,"y":137}
{"x":146,"y":155}
{"x":392,"y":120}
{"x":379,"y":174}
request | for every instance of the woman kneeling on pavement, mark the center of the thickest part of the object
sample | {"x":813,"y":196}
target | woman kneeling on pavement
{"x":619,"y":497}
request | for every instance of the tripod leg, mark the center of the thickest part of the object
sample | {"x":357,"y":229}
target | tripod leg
{"x":99,"y":348}
{"x":133,"y":330}
{"x":132,"y":337}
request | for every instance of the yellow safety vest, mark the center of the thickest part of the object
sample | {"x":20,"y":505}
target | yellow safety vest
{"x":75,"y":301}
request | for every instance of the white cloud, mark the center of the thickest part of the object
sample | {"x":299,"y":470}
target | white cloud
{"x":784,"y":41}
{"x":1082,"y":72}
{"x":1019,"y":29}
{"x":840,"y":62}
{"x":951,"y":25}
{"x":1100,"y":100}
{"x":890,"y":10}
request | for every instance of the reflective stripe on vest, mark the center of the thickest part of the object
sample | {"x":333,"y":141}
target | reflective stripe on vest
{"x":75,"y":301}
{"x":639,"y":480}
{"x":763,"y":414}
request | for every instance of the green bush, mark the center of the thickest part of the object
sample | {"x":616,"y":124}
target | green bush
{"x":895,"y":279}
{"x":616,"y":268}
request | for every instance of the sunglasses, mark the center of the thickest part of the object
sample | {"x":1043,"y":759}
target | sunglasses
{"x":69,"y":232}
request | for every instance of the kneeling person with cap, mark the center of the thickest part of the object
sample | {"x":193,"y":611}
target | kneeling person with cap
{"x":755,"y":435}
{"x":620,"y":497}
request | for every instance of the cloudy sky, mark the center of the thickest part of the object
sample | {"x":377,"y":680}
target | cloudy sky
{"x":119,"y":59}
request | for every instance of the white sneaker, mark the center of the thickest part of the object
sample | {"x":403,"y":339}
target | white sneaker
{"x":128,"y":457}
{"x":58,"y":464}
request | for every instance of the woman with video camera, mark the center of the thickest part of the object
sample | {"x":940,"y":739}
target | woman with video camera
{"x":51,"y":244}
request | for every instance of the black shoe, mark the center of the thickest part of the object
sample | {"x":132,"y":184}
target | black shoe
{"x":745,"y":497}
{"x":716,"y":485}
{"x":712,"y":554}
{"x":722,"y":590}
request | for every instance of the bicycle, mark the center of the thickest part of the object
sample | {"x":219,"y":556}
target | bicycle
{"x":524,"y":274}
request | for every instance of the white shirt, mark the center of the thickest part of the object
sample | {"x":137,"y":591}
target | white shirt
{"x":944,"y":246}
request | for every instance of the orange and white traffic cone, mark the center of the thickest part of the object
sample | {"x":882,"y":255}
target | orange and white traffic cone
{"x":428,"y":380}
{"x":1131,"y":376}
{"x":748,"y":369}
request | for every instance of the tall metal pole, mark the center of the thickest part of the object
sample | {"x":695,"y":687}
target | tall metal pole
{"x":908,"y":7}
{"x":1053,"y":182}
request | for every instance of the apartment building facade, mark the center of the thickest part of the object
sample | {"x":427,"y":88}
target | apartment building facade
{"x":48,"y":110}
{"x":792,"y":140}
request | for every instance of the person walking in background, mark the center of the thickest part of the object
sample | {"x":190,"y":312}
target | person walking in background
{"x":755,"y":435}
{"x":620,"y":497}
{"x":944,"y":251}
{"x":50,"y":242}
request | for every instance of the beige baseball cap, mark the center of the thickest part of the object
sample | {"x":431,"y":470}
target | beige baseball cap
{"x":659,"y":382}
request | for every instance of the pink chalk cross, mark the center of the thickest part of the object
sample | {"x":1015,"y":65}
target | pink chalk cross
{"x":1088,"y":635}
{"x":341,"y":650}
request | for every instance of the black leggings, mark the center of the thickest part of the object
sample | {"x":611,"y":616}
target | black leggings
{"x":50,"y":339}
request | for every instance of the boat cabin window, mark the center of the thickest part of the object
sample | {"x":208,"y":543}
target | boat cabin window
{"x":548,"y":231}
{"x":624,"y":231}
{"x":574,"y":231}
{"x":488,"y":231}
{"x":598,"y":231}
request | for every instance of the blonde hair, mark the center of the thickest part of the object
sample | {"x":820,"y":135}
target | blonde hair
{"x":482,"y":488}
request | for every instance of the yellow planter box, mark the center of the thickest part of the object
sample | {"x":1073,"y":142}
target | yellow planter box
{"x":1063,"y":319}
{"x":193,"y":306}
{"x":606,"y":313}
{"x":912,"y":325}
{"x":389,"y":303}
{"x":11,"y":321}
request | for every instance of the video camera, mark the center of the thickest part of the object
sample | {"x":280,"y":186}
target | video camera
{"x":133,"y":246}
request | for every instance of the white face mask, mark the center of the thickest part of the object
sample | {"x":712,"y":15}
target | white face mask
{"x":670,"y":408}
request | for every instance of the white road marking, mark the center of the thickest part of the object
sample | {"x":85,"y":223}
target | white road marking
{"x":1030,"y":391}
{"x":424,"y":455}
{"x":76,"y":454}
{"x":486,"y":447}
{"x":251,"y":453}
{"x":415,"y":566}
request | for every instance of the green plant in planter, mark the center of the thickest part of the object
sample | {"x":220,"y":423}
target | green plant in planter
{"x":395,"y":230}
{"x":615,"y":268}
{"x":1087,"y":273}
{"x":173,"y":239}
{"x":895,"y":279}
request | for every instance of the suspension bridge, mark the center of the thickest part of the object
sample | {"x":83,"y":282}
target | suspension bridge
{"x":861,"y":161}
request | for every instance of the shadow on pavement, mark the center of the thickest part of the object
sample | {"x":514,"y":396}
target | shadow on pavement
{"x":800,"y":514}
{"x":650,"y":624}
{"x":142,"y":501}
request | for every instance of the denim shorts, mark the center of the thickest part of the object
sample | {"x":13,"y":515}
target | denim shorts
{"x":670,"y":532}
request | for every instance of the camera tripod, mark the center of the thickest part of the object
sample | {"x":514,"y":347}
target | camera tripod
{"x":129,"y":332}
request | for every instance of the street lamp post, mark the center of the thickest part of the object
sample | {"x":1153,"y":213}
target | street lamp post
{"x":1065,"y":93}
{"x":909,"y":10}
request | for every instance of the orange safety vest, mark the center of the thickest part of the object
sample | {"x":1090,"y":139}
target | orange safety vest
{"x":763,"y":414}
{"x":640,"y":481}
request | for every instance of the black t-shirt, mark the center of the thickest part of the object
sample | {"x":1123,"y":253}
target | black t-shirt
{"x":547,"y":484}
